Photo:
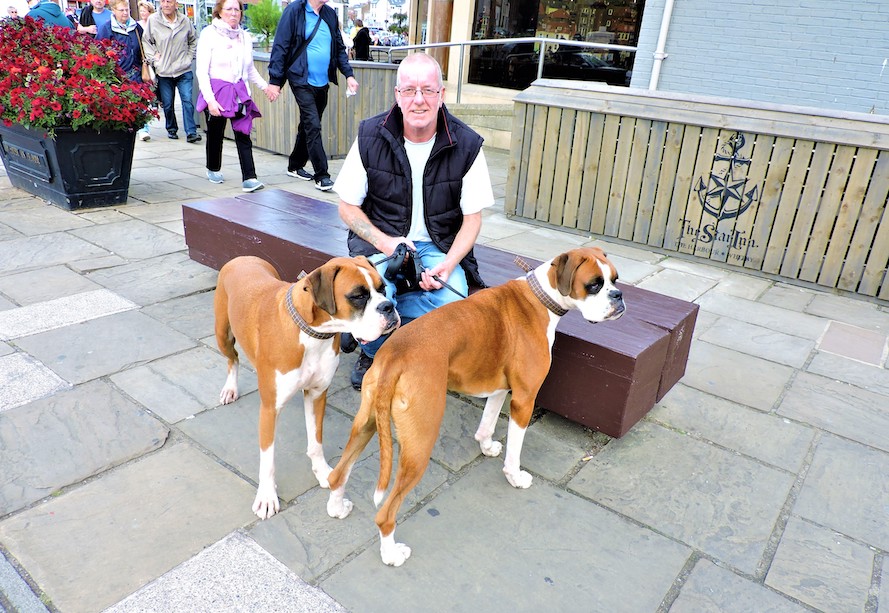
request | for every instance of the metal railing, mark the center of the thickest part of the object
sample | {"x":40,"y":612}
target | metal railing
{"x":542,"y":41}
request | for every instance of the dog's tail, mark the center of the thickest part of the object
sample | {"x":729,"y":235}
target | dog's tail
{"x":384,"y":388}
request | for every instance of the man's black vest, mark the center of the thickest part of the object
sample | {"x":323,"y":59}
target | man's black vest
{"x":389,"y":186}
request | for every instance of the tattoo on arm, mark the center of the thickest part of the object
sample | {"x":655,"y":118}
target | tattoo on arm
{"x":365,"y":230}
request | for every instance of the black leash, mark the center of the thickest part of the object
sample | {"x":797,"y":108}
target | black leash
{"x":399,"y":258}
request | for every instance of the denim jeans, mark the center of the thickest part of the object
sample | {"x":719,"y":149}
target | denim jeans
{"x":309,"y":145}
{"x":166,"y":87}
{"x":413,"y":304}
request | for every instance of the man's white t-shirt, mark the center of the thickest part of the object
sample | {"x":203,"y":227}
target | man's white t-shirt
{"x":476,"y":194}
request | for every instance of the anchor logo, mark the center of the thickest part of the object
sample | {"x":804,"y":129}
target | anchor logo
{"x":726,"y":198}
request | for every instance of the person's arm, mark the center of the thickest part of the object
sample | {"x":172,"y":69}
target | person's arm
{"x":463,"y":243}
{"x":192,"y":40}
{"x":148,"y":47}
{"x":281,"y":47}
{"x":361,"y":225}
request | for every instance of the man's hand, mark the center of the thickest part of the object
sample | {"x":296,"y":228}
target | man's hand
{"x":442,"y":271}
{"x":272,"y":92}
{"x":352,"y":84}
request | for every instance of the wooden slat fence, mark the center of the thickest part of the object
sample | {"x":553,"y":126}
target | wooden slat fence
{"x":777,"y":189}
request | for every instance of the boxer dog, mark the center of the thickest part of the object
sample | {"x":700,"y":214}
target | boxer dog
{"x":290,"y":333}
{"x":499,"y":339}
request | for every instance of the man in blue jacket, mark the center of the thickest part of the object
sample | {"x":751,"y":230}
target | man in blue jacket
{"x":307,"y":52}
{"x":49,"y":13}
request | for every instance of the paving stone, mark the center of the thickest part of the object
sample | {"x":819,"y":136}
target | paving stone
{"x":723,"y":504}
{"x":158,"y":213}
{"x":16,"y":592}
{"x":743,"y":286}
{"x":105,"y":215}
{"x":851,"y":311}
{"x":694,"y":267}
{"x":496,"y":227}
{"x":547,"y":550}
{"x":843,"y":471}
{"x":553,"y":446}
{"x":97,"y":263}
{"x":821,"y":568}
{"x":855,"y":343}
{"x":788,"y":297}
{"x":540,"y":243}
{"x":46,"y":284}
{"x":678,"y":284}
{"x":765,"y":315}
{"x":42,"y":220}
{"x":230,"y":432}
{"x":68,"y":437}
{"x":867,"y":377}
{"x":7,"y":233}
{"x":736,"y":376}
{"x":191,"y":315}
{"x":5,"y":304}
{"x":23,"y":379}
{"x":310,"y":542}
{"x":763,"y":436}
{"x":234,"y":574}
{"x":884,"y":584}
{"x":631,"y":271}
{"x":760,"y":342}
{"x":103,"y":346}
{"x":5,"y":349}
{"x":132,"y":239}
{"x":45,"y":250}
{"x":61,"y":312}
{"x":710,"y":588}
{"x":840,"y":408}
{"x":631,"y":252}
{"x":98,"y":543}
{"x":181,"y":385}
{"x":157,"y":280}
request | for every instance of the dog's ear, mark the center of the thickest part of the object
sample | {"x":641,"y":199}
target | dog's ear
{"x":321,"y":281}
{"x":565,"y":266}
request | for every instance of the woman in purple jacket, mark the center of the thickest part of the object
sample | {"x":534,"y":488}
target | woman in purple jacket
{"x":224,"y":65}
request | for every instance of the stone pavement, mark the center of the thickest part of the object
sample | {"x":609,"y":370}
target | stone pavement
{"x":760,"y":482}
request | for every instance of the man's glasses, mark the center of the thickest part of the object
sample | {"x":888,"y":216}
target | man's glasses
{"x":427,"y":92}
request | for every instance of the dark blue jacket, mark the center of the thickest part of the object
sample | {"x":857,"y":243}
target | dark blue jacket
{"x":291,"y":33}
{"x":388,"y":203}
{"x":130,"y":59}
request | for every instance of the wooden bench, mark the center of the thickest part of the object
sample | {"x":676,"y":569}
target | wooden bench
{"x":605,"y":376}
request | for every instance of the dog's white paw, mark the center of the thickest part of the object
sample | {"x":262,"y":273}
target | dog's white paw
{"x":322,"y":473}
{"x":228,"y":394}
{"x":520,"y":479}
{"x":394,"y":554}
{"x":338,"y":507}
{"x":491,"y":448}
{"x":266,"y":502}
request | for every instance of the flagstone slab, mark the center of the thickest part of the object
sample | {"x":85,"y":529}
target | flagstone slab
{"x":840,"y":408}
{"x":68,"y":437}
{"x":774,"y":440}
{"x":46,"y":284}
{"x":100,"y":542}
{"x":788,"y":297}
{"x":310,"y":542}
{"x":868,"y":377}
{"x":554,"y":446}
{"x":852,"y":311}
{"x":736,"y":376}
{"x":60,"y":312}
{"x":16,"y":592}
{"x":42,"y":220}
{"x":548,"y":550}
{"x":764,"y":315}
{"x":710,"y":588}
{"x":234,"y":574}
{"x":678,"y":284}
{"x":846,"y":489}
{"x":103,"y":346}
{"x":821,"y":568}
{"x":743,"y":286}
{"x":760,"y":342}
{"x":23,"y":379}
{"x":158,"y":279}
{"x":45,"y":250}
{"x":712,"y":499}
{"x":181,"y":385}
{"x":133,"y":239}
{"x":231,"y":433}
{"x":192,"y":315}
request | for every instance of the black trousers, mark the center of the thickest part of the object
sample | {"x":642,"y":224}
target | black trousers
{"x":215,"y":134}
{"x":309,"y":147}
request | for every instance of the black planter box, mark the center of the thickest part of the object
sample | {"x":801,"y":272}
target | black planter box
{"x":74,"y":169}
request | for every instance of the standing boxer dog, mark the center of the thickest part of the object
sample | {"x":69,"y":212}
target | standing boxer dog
{"x":497,"y":340}
{"x":290,"y":333}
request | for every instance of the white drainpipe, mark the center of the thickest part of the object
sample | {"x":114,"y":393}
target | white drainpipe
{"x":659,"y":55}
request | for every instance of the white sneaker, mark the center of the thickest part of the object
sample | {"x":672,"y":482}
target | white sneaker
{"x":214,"y":176}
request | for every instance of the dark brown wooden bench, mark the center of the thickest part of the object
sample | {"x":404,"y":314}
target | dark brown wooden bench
{"x":606,"y":376}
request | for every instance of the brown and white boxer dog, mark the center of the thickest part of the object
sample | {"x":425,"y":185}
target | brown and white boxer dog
{"x":499,"y":339}
{"x":290,"y":333}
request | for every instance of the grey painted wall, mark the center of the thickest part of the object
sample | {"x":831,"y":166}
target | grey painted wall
{"x":817,"y":53}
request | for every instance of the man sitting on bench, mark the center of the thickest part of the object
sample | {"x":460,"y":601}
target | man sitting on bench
{"x":415,"y":175}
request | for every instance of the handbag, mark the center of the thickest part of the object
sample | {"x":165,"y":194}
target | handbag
{"x":148,"y":74}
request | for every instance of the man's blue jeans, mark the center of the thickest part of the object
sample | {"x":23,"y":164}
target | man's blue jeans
{"x":413,"y":304}
{"x":166,"y":87}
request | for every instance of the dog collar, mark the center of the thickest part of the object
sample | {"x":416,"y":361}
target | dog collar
{"x":543,"y":297}
{"x":303,"y":325}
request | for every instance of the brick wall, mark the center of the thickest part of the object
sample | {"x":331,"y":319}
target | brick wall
{"x":818,"y":53}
